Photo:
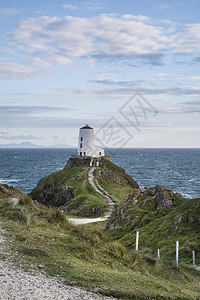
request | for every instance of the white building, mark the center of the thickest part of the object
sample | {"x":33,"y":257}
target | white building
{"x":86,"y":145}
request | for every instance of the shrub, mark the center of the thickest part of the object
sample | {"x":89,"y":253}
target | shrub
{"x":116,"y":250}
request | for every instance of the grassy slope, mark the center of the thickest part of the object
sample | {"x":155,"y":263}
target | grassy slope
{"x":77,"y":179}
{"x":156,"y":230}
{"x":116,"y":191}
{"x":88,"y":256}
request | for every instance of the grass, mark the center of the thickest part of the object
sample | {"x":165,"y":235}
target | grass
{"x":156,"y":230}
{"x":88,"y":256}
{"x":86,"y":202}
{"x":116,"y":192}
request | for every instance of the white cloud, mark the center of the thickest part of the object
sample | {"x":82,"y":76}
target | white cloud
{"x":9,"y":69}
{"x":189,"y":39}
{"x":163,"y":6}
{"x":58,"y":40}
{"x":70,"y":6}
{"x":45,"y":41}
{"x":9,"y":11}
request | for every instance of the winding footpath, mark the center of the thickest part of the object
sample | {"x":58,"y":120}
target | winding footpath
{"x":16,"y":284}
{"x":94,"y":183}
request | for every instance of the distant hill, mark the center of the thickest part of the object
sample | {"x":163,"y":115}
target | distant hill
{"x":31,"y":145}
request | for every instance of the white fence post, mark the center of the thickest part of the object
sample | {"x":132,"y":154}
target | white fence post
{"x":158,"y":253}
{"x":177,"y":246}
{"x":137,"y":239}
{"x":193,"y":258}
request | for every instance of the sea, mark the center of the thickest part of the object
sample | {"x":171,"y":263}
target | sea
{"x":178,"y":169}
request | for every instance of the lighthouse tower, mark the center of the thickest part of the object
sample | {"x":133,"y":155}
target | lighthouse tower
{"x":86,"y":145}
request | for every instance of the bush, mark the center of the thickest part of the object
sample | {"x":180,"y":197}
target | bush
{"x":26,"y":201}
{"x":17,"y":213}
{"x":52,"y":215}
{"x":116,"y":250}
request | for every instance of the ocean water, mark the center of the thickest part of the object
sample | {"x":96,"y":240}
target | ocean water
{"x":178,"y":169}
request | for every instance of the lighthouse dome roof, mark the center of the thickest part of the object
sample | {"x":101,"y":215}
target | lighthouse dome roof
{"x":86,"y":127}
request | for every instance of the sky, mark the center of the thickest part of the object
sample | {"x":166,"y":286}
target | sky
{"x":130,"y":69}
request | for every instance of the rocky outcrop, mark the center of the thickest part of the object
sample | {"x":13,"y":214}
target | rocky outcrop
{"x":163,"y":196}
{"x":52,"y":195}
{"x":77,"y":161}
{"x":159,"y":196}
{"x":110,"y":172}
{"x":177,"y":220}
{"x":10,"y":192}
{"x":193,"y":218}
{"x":71,"y":188}
{"x":108,"y":175}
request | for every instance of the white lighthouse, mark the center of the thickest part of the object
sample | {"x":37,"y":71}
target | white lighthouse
{"x":86,"y":145}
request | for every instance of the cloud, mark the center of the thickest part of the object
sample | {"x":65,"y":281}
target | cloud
{"x":70,"y":6}
{"x":124,"y":39}
{"x":9,"y":11}
{"x":196,"y":59}
{"x":20,"y":137}
{"x":111,"y":82}
{"x":28,"y":110}
{"x":30,"y":117}
{"x":188,"y":107}
{"x":93,"y":5}
{"x":13,"y":70}
{"x":53,"y":40}
{"x":135,"y":86}
{"x":132,"y":60}
{"x":189,"y":39}
{"x":162,"y":6}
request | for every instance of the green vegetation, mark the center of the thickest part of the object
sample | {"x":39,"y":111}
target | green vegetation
{"x":115,"y":181}
{"x":70,"y":190}
{"x":160,"y":229}
{"x":90,"y":257}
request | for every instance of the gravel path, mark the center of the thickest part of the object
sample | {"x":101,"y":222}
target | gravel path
{"x":94,"y":183}
{"x":16,"y":284}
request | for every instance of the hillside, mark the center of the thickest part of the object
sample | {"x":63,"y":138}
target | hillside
{"x":71,"y":189}
{"x":39,"y":239}
{"x":162,"y":217}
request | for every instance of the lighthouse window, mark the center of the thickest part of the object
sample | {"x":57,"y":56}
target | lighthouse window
{"x":99,"y":153}
{"x":81,"y":145}
{"x":81,"y":139}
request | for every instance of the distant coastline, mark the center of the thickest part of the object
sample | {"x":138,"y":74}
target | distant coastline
{"x":27,"y":145}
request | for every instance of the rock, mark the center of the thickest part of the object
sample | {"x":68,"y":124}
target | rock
{"x":111,"y":172}
{"x":75,"y":161}
{"x":122,"y":215}
{"x":193,"y":219}
{"x":177,"y":220}
{"x":40,"y":266}
{"x":108,"y":175}
{"x":163,"y":196}
{"x":65,"y":188}
{"x":133,"y":196}
{"x":53,"y":195}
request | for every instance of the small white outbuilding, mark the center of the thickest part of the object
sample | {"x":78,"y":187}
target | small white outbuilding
{"x":86,"y":145}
